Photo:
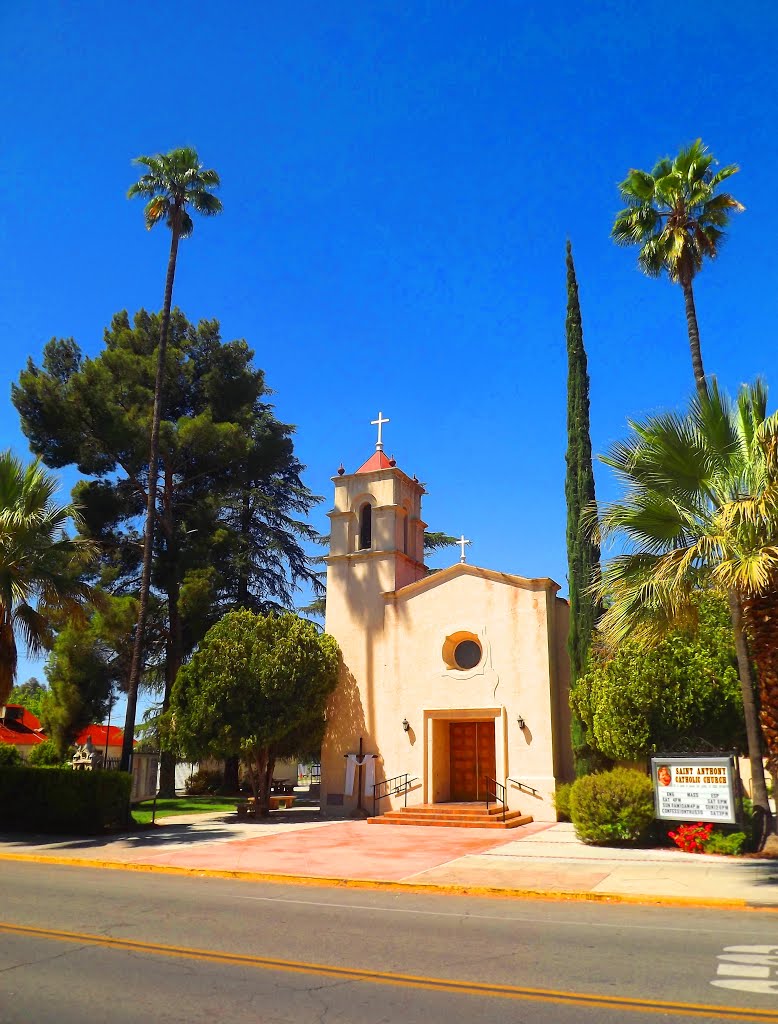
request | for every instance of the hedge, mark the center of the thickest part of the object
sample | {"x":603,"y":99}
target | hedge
{"x":63,"y":800}
{"x":9,"y":755}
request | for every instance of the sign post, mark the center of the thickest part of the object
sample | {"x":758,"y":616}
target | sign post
{"x":695,"y":787}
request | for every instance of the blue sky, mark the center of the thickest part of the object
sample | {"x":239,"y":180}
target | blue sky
{"x":398,"y":184}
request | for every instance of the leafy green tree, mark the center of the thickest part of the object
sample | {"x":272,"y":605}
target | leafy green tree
{"x":636,"y":700}
{"x":583,"y":553}
{"x":230,"y":501}
{"x":10,"y":756}
{"x":39,"y":563}
{"x":89,"y":663}
{"x":46,"y":755}
{"x":29,"y":695}
{"x":173,"y":183}
{"x":677,"y":218}
{"x":437,"y":540}
{"x":79,"y":687}
{"x":700,"y":511}
{"x":256,"y":687}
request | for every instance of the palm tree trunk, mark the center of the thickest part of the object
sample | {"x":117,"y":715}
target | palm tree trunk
{"x":753,"y":734}
{"x":8,"y":654}
{"x":694,"y":336}
{"x":761,"y":624}
{"x":151,"y":510}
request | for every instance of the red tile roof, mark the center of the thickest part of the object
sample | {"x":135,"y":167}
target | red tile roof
{"x":376,"y":461}
{"x":20,"y":738}
{"x":97,"y":733}
{"x":27,"y":718}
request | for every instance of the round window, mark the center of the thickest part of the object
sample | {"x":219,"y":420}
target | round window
{"x":467,"y":654}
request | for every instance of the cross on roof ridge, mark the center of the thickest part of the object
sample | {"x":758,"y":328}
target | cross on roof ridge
{"x":379,"y":423}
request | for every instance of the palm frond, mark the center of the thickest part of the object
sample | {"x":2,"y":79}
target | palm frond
{"x":33,"y":626}
{"x":175,"y":181}
{"x":674,"y":214}
{"x":700,"y":509}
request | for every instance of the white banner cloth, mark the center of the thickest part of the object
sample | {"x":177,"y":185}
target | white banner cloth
{"x":352,"y":760}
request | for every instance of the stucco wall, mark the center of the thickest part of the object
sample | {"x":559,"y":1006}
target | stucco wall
{"x":394,"y":669}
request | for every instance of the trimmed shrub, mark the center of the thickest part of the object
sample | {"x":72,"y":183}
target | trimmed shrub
{"x":45,"y":755}
{"x":562,"y":800}
{"x":204,"y":781}
{"x":729,"y":845}
{"x":9,"y":755}
{"x":612,"y":808}
{"x":61,"y":800}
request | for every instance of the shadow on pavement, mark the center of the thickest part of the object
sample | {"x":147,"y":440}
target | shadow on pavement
{"x":202,"y":829}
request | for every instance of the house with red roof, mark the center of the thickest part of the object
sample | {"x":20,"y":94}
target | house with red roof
{"x":21,"y":728}
{"x":106,"y":739}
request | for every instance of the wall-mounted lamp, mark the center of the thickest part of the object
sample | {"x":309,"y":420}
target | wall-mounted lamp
{"x":521,"y":722}
{"x":406,"y":725}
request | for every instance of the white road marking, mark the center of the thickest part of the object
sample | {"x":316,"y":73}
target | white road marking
{"x":744,"y":970}
{"x":481,"y":917}
{"x":763,"y":988}
{"x":748,"y":969}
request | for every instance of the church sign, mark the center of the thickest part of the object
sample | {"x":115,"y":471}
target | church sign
{"x":695,"y":787}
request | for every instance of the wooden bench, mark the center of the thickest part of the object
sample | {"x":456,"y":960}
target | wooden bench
{"x":249,"y":808}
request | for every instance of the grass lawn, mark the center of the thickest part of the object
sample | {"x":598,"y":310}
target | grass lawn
{"x":184,"y":805}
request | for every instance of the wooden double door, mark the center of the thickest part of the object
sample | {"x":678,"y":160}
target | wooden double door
{"x":471,"y":746}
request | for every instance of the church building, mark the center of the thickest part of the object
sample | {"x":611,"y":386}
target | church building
{"x":454,"y":683}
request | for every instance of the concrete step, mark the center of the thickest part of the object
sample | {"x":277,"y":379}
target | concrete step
{"x":479,"y":819}
{"x":406,"y":817}
{"x":468,"y":810}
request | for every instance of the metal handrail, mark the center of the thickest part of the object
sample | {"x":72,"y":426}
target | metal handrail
{"x":498,"y":788}
{"x":523,"y":786}
{"x":392,"y":787}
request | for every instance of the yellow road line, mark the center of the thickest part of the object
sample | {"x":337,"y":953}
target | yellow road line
{"x":430,"y":888}
{"x":446,"y":985}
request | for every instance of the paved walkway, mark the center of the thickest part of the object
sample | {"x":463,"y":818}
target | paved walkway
{"x":539,"y":858}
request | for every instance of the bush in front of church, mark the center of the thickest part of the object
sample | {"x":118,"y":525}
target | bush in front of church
{"x":612,"y":808}
{"x":562,"y":800}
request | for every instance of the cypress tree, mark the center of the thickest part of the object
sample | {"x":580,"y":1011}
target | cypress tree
{"x":583,"y":555}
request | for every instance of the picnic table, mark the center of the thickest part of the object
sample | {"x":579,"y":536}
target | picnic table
{"x":282,"y":786}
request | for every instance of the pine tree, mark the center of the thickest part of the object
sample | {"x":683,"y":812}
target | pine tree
{"x":583,"y":555}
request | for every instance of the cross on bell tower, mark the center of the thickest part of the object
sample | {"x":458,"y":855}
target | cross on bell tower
{"x":379,"y":447}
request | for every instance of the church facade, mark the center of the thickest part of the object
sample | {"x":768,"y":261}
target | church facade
{"x":453,"y":678}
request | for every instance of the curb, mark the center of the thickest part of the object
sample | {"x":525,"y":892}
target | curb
{"x":641,"y":899}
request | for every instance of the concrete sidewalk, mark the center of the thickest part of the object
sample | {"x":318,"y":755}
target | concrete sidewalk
{"x":539,"y":858}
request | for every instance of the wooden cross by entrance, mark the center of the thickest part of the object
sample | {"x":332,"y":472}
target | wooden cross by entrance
{"x":379,"y":423}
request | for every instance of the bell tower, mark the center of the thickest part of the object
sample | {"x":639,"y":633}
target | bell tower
{"x":376,"y":540}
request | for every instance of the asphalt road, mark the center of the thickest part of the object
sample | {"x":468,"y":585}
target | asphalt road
{"x":79,"y":944}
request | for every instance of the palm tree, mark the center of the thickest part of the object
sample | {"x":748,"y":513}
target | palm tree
{"x":701,"y":510}
{"x":39,"y":563}
{"x":677,"y":218}
{"x":174,"y":182}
